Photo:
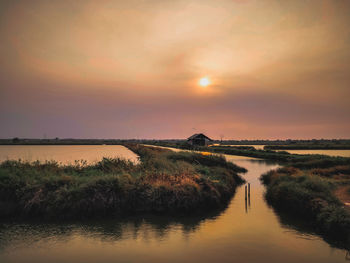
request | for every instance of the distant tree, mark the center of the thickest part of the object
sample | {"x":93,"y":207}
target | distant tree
{"x":15,"y":140}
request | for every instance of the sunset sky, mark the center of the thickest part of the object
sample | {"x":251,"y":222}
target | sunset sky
{"x":131,"y":69}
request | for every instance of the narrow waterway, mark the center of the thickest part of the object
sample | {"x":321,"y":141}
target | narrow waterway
{"x":243,"y":232}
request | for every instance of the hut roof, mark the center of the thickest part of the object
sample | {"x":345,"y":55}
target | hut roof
{"x":199,"y":136}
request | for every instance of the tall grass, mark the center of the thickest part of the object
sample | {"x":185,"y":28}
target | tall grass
{"x":309,"y":196}
{"x":163,"y":182}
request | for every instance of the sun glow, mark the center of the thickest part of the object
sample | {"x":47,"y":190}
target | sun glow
{"x":204,"y":82}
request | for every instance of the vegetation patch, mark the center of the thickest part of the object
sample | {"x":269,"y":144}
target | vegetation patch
{"x":163,"y":182}
{"x":310,"y":146}
{"x":310,"y":194}
{"x":303,"y":161}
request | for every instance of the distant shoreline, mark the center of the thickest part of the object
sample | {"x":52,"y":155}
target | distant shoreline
{"x":334,"y":144}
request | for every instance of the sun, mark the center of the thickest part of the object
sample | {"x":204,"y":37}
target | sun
{"x":204,"y":82}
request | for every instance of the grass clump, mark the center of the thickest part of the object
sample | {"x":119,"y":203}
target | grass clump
{"x":310,"y":196}
{"x":163,"y":182}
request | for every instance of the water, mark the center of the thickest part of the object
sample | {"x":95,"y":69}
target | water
{"x":258,"y":147}
{"x":343,"y":153}
{"x":238,"y":233}
{"x":65,"y":154}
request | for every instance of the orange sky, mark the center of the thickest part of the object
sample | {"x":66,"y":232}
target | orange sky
{"x":130,"y":69}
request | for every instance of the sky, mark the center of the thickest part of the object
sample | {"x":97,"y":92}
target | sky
{"x":278,"y":69}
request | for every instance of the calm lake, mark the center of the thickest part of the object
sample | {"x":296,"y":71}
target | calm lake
{"x":242,"y":232}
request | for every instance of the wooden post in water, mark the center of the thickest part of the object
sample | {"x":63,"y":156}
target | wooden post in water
{"x":249,"y":195}
{"x":246,"y":208}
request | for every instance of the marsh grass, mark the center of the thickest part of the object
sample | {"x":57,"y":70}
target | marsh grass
{"x":320,"y":146}
{"x":163,"y":182}
{"x":306,"y":194}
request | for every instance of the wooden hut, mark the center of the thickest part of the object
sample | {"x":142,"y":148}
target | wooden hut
{"x":199,"y":139}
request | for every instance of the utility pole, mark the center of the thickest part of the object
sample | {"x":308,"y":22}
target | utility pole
{"x":221,"y":137}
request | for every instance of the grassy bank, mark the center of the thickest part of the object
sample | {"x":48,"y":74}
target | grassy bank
{"x":303,"y":161}
{"x":310,"y":194}
{"x":285,"y":158}
{"x":163,"y":182}
{"x":308,"y":147}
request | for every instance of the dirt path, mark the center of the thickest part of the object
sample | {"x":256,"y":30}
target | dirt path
{"x":343,"y":194}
